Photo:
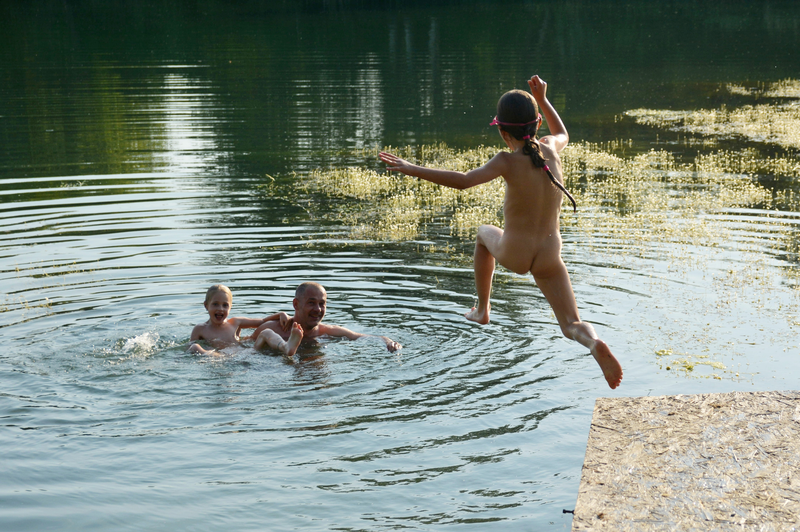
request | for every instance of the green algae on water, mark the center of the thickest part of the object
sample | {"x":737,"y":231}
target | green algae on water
{"x":636,"y":203}
{"x":769,"y":123}
{"x":392,"y":206}
{"x":786,"y":88}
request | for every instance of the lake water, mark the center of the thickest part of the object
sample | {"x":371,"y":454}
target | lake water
{"x":137,"y":141}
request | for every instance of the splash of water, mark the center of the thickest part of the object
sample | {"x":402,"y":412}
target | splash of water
{"x":142,"y":345}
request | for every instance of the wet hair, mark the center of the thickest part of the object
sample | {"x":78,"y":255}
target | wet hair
{"x":303,"y":287}
{"x":517,"y":111}
{"x":218,"y":288}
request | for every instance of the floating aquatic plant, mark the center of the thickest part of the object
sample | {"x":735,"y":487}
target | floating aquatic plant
{"x":632,"y":203}
{"x":786,"y":88}
{"x":764,"y":123}
{"x":391,"y":206}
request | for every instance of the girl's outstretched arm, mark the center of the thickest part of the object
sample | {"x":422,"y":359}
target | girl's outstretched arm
{"x":448,"y":178}
{"x":558,"y":137}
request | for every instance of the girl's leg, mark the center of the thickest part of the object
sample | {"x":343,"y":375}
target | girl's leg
{"x":557,"y":289}
{"x":488,"y":240}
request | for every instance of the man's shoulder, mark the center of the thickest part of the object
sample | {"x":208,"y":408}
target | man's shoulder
{"x":320,"y":329}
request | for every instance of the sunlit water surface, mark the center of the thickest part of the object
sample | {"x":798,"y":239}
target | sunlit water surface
{"x":109,"y":243}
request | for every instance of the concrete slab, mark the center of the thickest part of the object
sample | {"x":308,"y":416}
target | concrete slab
{"x":692,"y":462}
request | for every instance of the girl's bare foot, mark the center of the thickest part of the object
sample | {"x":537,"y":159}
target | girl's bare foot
{"x":477,"y":316}
{"x":294,"y":339}
{"x":612,"y":370}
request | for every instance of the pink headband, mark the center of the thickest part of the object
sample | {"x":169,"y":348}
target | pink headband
{"x":496,"y":122}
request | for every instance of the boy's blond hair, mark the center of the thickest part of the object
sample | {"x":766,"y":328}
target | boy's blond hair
{"x":218,"y":288}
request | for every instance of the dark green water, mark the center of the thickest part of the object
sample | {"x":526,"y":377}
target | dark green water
{"x":270,"y":87}
{"x":134,"y":137}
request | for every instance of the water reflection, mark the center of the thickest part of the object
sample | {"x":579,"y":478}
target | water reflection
{"x":318,"y":124}
{"x":190,"y":140}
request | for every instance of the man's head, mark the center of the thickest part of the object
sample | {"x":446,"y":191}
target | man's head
{"x":309,"y":304}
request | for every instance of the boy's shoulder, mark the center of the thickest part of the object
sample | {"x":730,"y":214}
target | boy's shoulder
{"x":199,"y":330}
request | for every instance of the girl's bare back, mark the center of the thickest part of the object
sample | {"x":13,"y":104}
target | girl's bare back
{"x":531,"y":240}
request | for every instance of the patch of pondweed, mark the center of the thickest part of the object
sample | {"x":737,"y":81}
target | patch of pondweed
{"x":765,"y":123}
{"x":786,"y":88}
{"x":639,"y":202}
{"x":25,"y":306}
{"x":652,"y":207}
{"x":392,"y":206}
{"x":686,"y":364}
{"x":633,"y":203}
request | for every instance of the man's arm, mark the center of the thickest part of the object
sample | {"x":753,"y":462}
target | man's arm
{"x":336,"y":330}
{"x":391,"y":345}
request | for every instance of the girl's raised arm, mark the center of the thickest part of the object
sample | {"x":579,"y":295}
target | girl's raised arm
{"x":558,"y":131}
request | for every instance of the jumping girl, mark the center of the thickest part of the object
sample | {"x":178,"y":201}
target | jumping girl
{"x":531,"y":241}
